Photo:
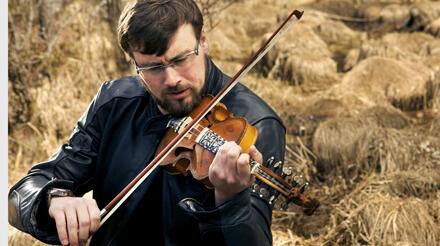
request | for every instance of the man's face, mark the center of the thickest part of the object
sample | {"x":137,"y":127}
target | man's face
{"x":176,"y":89}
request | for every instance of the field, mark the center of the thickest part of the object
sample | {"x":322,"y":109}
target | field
{"x":357,"y":84}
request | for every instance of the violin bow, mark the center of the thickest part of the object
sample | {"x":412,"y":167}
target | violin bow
{"x":113,"y":205}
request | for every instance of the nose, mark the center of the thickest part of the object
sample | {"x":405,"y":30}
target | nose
{"x":172,"y":77}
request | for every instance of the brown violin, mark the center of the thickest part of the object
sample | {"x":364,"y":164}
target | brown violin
{"x":195,"y":153}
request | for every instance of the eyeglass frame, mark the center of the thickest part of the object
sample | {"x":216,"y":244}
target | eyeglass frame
{"x":170,"y":64}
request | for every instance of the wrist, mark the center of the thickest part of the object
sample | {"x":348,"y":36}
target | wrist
{"x":58,"y":192}
{"x":221,"y":197}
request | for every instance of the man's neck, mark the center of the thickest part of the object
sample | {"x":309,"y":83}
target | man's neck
{"x":163,"y":111}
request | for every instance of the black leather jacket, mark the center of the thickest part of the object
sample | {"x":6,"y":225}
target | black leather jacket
{"x":113,"y":141}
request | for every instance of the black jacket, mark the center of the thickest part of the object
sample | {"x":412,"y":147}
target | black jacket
{"x":113,"y":141}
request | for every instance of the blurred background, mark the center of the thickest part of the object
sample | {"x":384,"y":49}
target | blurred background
{"x":356,"y":82}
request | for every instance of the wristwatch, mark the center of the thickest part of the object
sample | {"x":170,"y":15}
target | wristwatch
{"x":57,"y":192}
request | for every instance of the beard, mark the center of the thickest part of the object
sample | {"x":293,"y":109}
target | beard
{"x":180,"y":108}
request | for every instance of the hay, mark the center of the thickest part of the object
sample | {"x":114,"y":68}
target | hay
{"x":407,"y":42}
{"x":403,"y":84}
{"x":336,"y":32}
{"x":423,"y":183}
{"x":394,"y":15}
{"x":433,"y":28}
{"x":399,"y":46}
{"x":423,"y":13}
{"x":430,"y":48}
{"x":336,"y":143}
{"x":363,"y":143}
{"x":312,"y":70}
{"x":222,"y":43}
{"x":377,"y":219}
{"x":300,"y":58}
{"x":18,"y":238}
{"x":305,"y":120}
{"x":386,"y":117}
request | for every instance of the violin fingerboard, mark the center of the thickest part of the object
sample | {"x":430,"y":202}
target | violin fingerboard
{"x":209,"y":140}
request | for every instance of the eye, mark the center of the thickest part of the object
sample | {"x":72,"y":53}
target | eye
{"x":180,"y":61}
{"x":155,"y":69}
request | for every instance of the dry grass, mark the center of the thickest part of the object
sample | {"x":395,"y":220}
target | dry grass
{"x":383,"y":220}
{"x":362,"y":109}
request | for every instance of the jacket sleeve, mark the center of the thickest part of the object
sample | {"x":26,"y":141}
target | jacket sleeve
{"x":71,"y":167}
{"x":246,"y":219}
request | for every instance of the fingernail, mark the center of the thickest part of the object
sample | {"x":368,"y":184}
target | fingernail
{"x":252,"y":148}
{"x":65,"y":242}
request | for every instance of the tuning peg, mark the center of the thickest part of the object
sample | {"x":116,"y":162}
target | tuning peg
{"x":298,"y":179}
{"x":255,"y":187}
{"x":294,"y":183}
{"x":272,"y":199}
{"x":270,"y":160}
{"x":264,"y":192}
{"x":303,"y":187}
{"x":277,"y":166}
{"x":287,"y":171}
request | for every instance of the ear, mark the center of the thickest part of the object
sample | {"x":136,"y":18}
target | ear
{"x":204,"y":42}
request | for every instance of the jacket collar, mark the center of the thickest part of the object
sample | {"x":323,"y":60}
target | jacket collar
{"x":213,"y":78}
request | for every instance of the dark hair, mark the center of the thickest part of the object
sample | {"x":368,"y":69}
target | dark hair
{"x":146,"y":26}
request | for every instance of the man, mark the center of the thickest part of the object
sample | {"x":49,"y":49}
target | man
{"x":119,"y":133}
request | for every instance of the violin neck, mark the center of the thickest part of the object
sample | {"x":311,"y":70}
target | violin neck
{"x":211,"y":141}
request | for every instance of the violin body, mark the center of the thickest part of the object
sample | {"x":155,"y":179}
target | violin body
{"x":190,"y":157}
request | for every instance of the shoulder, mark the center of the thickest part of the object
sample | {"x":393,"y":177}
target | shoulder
{"x":127,"y":87}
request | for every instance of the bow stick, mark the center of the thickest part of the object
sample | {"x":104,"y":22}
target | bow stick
{"x":131,"y":187}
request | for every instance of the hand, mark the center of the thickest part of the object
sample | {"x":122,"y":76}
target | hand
{"x":230,"y":172}
{"x":76,"y":218}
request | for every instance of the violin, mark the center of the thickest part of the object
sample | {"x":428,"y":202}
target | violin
{"x":209,"y":126}
{"x":195,"y":153}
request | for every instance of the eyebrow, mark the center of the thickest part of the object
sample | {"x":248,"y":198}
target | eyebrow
{"x":150,"y":64}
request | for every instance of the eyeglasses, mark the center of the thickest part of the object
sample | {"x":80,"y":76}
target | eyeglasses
{"x":180,"y":63}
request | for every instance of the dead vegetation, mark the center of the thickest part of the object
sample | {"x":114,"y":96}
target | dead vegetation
{"x":357,"y":84}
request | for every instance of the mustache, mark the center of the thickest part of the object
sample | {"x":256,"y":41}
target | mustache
{"x":175,"y":89}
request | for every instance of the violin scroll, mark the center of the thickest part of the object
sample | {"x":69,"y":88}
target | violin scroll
{"x":272,"y":185}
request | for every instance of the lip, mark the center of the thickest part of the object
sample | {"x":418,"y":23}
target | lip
{"x":179,"y":94}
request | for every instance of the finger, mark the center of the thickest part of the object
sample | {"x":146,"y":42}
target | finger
{"x":60,"y":221}
{"x":83,"y":222}
{"x":233,"y":153}
{"x":220,"y":162}
{"x":255,"y":154}
{"x":222,"y":152}
{"x":243,"y":169}
{"x":95,"y":216}
{"x":72,"y":226}
{"x":251,"y":179}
